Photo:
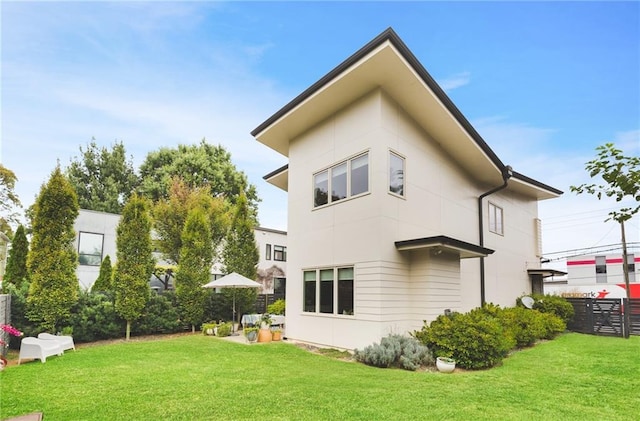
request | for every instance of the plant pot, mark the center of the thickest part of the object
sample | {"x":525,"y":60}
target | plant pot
{"x":252,"y":336}
{"x":445,"y":365}
{"x":276,"y":336}
{"x":264,"y":335}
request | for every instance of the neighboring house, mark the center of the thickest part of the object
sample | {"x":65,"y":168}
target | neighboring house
{"x":96,"y":238}
{"x":384,"y":181}
{"x":598,"y":276}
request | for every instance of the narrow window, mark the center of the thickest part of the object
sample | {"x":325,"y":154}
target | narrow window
{"x":631,"y":266}
{"x":268,"y":252}
{"x":360,"y":175}
{"x":326,"y":291}
{"x":601,"y":269}
{"x":339,"y":182}
{"x":321,"y":189}
{"x":396,"y":174}
{"x":345,"y":291}
{"x":90,"y":249}
{"x":495,"y":219}
{"x":310,"y":291}
{"x":280,"y":253}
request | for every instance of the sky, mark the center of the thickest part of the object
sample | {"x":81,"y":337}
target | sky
{"x":544,"y":83}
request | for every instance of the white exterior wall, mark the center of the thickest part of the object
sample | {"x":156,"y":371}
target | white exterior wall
{"x":96,"y":223}
{"x":394,"y":291}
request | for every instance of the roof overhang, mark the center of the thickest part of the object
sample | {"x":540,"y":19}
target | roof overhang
{"x":386,"y":63}
{"x":546,"y":273}
{"x":443,"y":243}
{"x":279,"y":177}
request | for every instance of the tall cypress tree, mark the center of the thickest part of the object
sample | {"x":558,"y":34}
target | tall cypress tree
{"x":52,"y":261}
{"x":241,"y":254}
{"x":194,"y":268}
{"x":135,"y":260}
{"x":16,"y":272}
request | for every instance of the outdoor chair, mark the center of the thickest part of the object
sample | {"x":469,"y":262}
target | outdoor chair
{"x":66,"y":342}
{"x":38,"y":349}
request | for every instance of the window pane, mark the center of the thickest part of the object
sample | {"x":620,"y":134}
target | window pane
{"x":345,"y":291}
{"x":90,"y":249}
{"x":360,"y":175}
{"x":321,"y":188}
{"x":268,"y":252}
{"x":339,"y":182}
{"x":310,"y":291}
{"x":280,"y":253}
{"x":499,"y":229}
{"x":396,"y":174}
{"x":326,"y":291}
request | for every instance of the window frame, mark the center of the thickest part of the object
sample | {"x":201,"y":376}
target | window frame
{"x":326,"y":176}
{"x":267,"y":253}
{"x":493,"y":219}
{"x":85,"y":259}
{"x":279,"y":253}
{"x":392,"y":155}
{"x":312,"y":279}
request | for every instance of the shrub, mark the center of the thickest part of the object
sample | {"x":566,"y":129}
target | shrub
{"x":552,"y":304}
{"x":395,"y":350}
{"x":94,"y":318}
{"x":524,"y":325}
{"x":475,"y":340}
{"x":552,"y":324}
{"x":277,"y":307}
{"x":224,"y":329}
{"x":160,"y":315}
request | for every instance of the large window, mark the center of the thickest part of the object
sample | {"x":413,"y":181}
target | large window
{"x":396,"y":174}
{"x":343,"y":180}
{"x":90,"y":249}
{"x":280,"y":253}
{"x":496,"y":219}
{"x":326,"y":287}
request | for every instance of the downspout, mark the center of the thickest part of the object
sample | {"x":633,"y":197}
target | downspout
{"x":507,"y":172}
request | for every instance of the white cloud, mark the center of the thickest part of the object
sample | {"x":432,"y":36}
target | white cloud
{"x":455,"y":81}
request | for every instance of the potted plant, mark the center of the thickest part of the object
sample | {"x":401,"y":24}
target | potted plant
{"x":251,"y":333}
{"x":209,"y":328}
{"x":264,"y":335}
{"x":445,"y":364}
{"x":276,"y":333}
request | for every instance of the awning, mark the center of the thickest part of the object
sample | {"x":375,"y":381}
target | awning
{"x":545,"y":273}
{"x":444,"y":243}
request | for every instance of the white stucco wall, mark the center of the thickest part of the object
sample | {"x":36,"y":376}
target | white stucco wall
{"x":96,"y":223}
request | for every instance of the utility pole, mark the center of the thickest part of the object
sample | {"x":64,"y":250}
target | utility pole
{"x":625,"y":262}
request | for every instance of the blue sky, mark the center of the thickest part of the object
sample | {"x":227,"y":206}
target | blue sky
{"x":544,"y":83}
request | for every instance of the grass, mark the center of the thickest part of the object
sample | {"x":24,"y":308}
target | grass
{"x":197,"y":377}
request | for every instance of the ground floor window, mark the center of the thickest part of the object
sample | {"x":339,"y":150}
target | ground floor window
{"x":329,"y":290}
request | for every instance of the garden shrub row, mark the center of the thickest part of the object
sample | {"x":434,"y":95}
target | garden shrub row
{"x":396,"y":351}
{"x":485,"y":335}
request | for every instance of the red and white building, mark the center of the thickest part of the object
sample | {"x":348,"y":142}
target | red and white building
{"x":598,"y":276}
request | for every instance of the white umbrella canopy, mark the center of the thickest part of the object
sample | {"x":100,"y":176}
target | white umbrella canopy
{"x":233,"y":280}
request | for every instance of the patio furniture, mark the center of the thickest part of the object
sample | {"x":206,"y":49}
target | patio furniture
{"x":66,"y":342}
{"x":38,"y":349}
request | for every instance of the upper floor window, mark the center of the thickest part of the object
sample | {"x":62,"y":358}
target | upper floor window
{"x":280,"y":253}
{"x":396,"y":174}
{"x":343,"y":180}
{"x":601,"y":269}
{"x":496,"y":224}
{"x":267,"y":254}
{"x":90,"y":249}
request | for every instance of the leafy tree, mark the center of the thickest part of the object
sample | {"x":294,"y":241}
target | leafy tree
{"x":8,"y":200}
{"x":194,"y":268}
{"x":241,"y":254}
{"x":198,"y":166}
{"x":52,"y":261}
{"x":135,"y":260}
{"x":104,"y":282}
{"x":170,"y":215}
{"x":621,"y":175}
{"x":16,"y":272}
{"x":102,"y":178}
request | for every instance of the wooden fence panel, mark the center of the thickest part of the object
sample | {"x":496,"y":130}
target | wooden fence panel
{"x":608,"y":317}
{"x":633,"y":311}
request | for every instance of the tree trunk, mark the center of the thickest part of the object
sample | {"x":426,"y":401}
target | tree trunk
{"x":128,"y":330}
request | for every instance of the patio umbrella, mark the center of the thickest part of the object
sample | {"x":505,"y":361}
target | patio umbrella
{"x":233,"y":280}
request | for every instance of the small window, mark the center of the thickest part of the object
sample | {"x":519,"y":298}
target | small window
{"x":396,"y":174}
{"x":346,"y":179}
{"x":345,"y":291}
{"x":310,"y":291}
{"x":267,"y":254}
{"x":601,"y":269}
{"x":90,"y":249}
{"x":631,"y":266}
{"x":326,"y":291}
{"x":496,"y":219}
{"x":280,"y":253}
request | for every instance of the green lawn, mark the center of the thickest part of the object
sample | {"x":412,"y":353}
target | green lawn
{"x":196,"y":377}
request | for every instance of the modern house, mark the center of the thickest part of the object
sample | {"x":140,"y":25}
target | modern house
{"x":96,"y":239}
{"x":598,"y":276}
{"x":398,"y":209}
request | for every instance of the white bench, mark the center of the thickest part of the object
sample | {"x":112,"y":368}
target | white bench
{"x":66,"y":342}
{"x":38,"y":349}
